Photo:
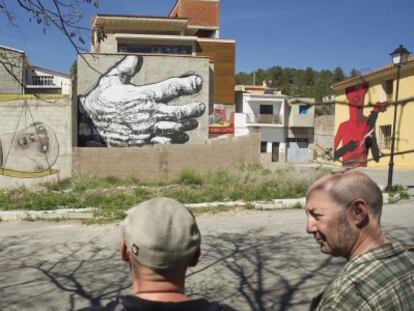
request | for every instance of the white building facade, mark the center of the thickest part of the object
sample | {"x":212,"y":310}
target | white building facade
{"x":45,"y":81}
{"x":286,"y":128}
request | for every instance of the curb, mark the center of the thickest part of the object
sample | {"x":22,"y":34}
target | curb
{"x":60,"y":214}
{"x":87,"y":213}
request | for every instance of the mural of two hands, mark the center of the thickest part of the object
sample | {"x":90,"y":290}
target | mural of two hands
{"x":125,"y":114}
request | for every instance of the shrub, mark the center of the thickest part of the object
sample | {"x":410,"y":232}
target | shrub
{"x":189,"y":177}
{"x":401,"y":190}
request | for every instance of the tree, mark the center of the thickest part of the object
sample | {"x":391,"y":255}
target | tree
{"x":354,"y":73}
{"x":338,"y":75}
{"x":309,"y":76}
{"x":63,"y":15}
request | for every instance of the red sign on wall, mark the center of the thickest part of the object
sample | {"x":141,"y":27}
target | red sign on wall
{"x":218,"y":122}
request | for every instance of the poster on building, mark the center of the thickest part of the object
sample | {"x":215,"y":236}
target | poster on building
{"x":221,"y":121}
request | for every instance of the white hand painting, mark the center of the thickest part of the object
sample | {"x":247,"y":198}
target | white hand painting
{"x":125,"y":114}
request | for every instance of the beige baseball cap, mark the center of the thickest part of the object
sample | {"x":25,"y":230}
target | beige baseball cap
{"x":161,"y":233}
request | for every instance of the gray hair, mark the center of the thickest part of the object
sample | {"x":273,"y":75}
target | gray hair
{"x":345,"y":187}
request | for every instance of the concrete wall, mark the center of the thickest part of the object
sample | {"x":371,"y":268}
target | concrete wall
{"x":301,"y":115}
{"x":31,"y":154}
{"x":111,"y":106}
{"x":324,"y":131}
{"x":14,"y":62}
{"x":163,"y":162}
{"x":109,"y":45}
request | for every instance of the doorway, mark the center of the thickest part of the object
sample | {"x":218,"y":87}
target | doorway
{"x":275,"y":152}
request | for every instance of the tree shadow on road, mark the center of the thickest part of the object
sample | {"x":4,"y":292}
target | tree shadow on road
{"x":250,"y":271}
{"x":70,"y":274}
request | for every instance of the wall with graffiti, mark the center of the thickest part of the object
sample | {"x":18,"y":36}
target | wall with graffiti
{"x":35,"y":141}
{"x":355,"y":139}
{"x":221,"y":120}
{"x":141,"y":100}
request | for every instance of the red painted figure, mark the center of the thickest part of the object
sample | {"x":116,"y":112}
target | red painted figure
{"x":358,"y":133}
{"x":353,"y":131}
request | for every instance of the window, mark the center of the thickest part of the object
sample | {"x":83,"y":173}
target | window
{"x":303,"y":109}
{"x":385,"y":136}
{"x":266,"y":109}
{"x":263,"y":146}
{"x":388,"y":86}
{"x":42,"y":80}
{"x":154,"y":49}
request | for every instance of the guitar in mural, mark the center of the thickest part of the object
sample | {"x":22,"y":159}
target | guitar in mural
{"x":357,"y":134}
{"x":30,"y":152}
{"x":118,"y":113}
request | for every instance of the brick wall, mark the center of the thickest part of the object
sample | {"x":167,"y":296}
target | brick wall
{"x":163,"y":162}
{"x":199,"y":13}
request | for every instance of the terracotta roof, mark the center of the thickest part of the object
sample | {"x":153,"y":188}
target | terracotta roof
{"x":370,"y":73}
{"x":140,"y":16}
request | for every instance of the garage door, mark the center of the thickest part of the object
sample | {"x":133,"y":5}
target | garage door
{"x":298,"y":150}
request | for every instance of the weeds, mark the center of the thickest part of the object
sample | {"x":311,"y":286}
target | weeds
{"x":401,"y":190}
{"x":189,"y":177}
{"x":112,"y":196}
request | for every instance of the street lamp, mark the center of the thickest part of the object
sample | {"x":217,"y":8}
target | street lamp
{"x":399,"y":57}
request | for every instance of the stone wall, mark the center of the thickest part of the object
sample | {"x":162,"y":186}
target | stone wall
{"x":163,"y":162}
{"x":35,"y":141}
{"x":324,"y":131}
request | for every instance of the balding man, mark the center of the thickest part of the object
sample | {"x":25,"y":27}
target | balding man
{"x":160,"y":241}
{"x":343,"y":214}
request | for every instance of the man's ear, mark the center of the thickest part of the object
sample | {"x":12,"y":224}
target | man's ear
{"x":359,"y":213}
{"x":196,"y":257}
{"x":124,"y":251}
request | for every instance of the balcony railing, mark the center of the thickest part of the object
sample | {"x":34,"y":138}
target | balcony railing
{"x":263,"y":118}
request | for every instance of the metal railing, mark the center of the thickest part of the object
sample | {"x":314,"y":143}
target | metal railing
{"x":263,"y":118}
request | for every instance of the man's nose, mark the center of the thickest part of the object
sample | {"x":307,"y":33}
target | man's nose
{"x":310,"y":225}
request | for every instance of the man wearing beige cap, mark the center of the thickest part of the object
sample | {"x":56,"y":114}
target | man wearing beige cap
{"x":160,"y":240}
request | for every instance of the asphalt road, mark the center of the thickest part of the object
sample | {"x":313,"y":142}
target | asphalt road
{"x":253,"y":260}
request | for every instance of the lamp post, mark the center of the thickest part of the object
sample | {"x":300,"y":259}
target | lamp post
{"x":399,"y":57}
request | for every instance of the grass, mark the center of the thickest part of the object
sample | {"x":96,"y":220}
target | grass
{"x":9,"y":97}
{"x":112,"y":196}
{"x":401,"y":190}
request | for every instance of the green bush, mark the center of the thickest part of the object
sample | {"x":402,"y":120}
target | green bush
{"x":58,"y":185}
{"x":401,"y":190}
{"x":189,"y":177}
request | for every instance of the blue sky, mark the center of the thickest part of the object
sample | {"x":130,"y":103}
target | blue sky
{"x":322,"y":34}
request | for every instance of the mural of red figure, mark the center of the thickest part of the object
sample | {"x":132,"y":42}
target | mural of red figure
{"x":357,"y":134}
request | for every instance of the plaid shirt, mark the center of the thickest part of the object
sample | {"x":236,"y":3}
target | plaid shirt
{"x":381,"y":279}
